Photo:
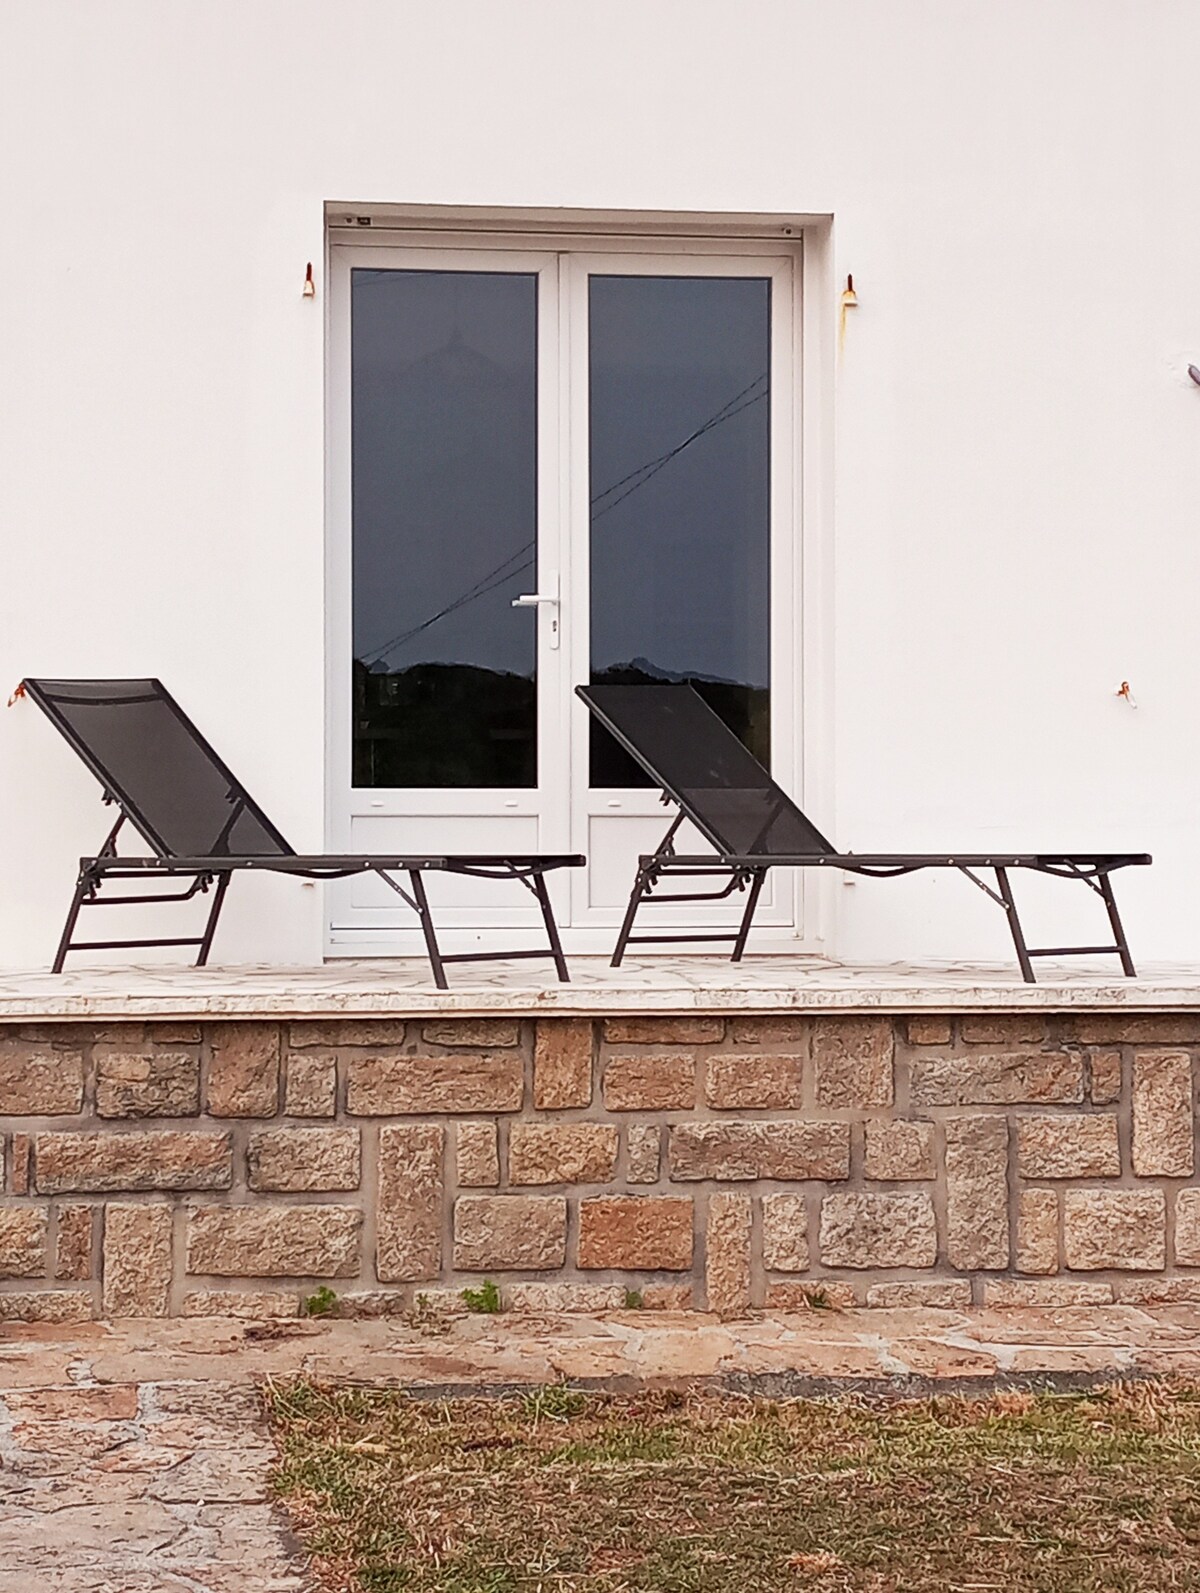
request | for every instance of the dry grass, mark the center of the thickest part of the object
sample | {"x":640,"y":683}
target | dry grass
{"x":559,"y":1492}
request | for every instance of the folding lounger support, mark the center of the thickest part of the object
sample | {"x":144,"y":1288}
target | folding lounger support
{"x":203,"y":826}
{"x":754,"y":826}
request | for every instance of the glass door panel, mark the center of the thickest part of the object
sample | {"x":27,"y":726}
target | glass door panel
{"x":680,"y":470}
{"x":444,"y":420}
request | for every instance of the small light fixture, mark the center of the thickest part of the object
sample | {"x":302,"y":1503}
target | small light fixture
{"x":1194,"y":373}
{"x":310,"y":287}
{"x":1123,"y":690}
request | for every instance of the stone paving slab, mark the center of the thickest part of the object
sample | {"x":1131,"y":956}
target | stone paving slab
{"x":134,"y":1459}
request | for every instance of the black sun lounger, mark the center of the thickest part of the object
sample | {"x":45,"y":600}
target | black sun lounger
{"x":754,"y":826}
{"x":203,"y":824}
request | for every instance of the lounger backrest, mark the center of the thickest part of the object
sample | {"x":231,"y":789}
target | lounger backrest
{"x":149,"y":756}
{"x":699,"y":762}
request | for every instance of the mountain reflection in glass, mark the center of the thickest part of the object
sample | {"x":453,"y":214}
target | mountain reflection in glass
{"x":679,"y":409}
{"x":444,"y":460}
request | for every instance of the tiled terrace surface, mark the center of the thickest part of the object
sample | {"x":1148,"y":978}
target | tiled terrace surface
{"x":403,"y":987}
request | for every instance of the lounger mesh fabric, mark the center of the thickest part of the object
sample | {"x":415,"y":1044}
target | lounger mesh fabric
{"x":142,"y":748}
{"x":728,"y":794}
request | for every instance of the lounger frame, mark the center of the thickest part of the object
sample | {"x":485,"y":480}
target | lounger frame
{"x":213,"y":872}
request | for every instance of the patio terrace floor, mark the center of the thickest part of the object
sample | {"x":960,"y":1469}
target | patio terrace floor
{"x":403,"y":987}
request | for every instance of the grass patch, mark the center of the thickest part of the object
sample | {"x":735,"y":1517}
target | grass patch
{"x":561,"y":1492}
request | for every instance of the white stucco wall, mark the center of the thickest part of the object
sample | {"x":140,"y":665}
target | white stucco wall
{"x":1016,"y":489}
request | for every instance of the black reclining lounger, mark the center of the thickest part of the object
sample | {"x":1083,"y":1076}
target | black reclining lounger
{"x":202,"y":823}
{"x":754,"y":826}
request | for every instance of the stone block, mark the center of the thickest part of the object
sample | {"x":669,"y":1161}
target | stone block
{"x":1157,"y":1291}
{"x":898,"y":1149}
{"x":1037,"y":1230}
{"x":48,"y":1305}
{"x":73,"y":1242}
{"x":387,"y":1086}
{"x":636,"y":1233}
{"x":147,"y":1084}
{"x":663,"y":1031}
{"x":40,"y":1083}
{"x":348,"y":1032}
{"x":818,"y":1294}
{"x":785,"y":1233}
{"x":521,"y":1233}
{"x":1128,"y":1028}
{"x":310,"y":1084}
{"x":89,"y":1163}
{"x":561,"y":1153}
{"x":408,"y":1224}
{"x":997,"y":1079}
{"x":23,"y":1241}
{"x":733,"y":1149}
{"x":137,"y":1260}
{"x":936,"y":1294}
{"x":477,"y":1156}
{"x":274,"y":1241}
{"x":19,"y":1155}
{"x":1071,"y":1145}
{"x":727,"y":1254}
{"x":792,"y":1029}
{"x":878,"y":1230}
{"x":1043,"y":1293}
{"x":1163,"y":1115}
{"x":555,"y":1298}
{"x":1106,"y":1077}
{"x":1124,"y":1229}
{"x":1008,"y":1029}
{"x":854,"y":1061}
{"x":754,"y":1081}
{"x":562,"y":1063}
{"x":249,"y":1305}
{"x":977,"y":1192}
{"x":643,"y":1154}
{"x":648,"y":1083}
{"x":1187,"y":1227}
{"x":929,"y":1031}
{"x":303,"y":1159}
{"x":478,"y":1034}
{"x":243,"y":1070}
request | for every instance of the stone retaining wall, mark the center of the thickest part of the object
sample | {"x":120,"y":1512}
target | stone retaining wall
{"x":727,"y":1162}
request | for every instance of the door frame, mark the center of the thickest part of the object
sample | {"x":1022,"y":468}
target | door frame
{"x":800,"y":662}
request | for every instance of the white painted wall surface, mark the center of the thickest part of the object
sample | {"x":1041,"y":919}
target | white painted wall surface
{"x":1015,"y":494}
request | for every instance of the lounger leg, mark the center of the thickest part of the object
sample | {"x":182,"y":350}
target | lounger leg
{"x":635,"y":901}
{"x":543,"y":896}
{"x":756,"y":885}
{"x":64,"y":944}
{"x":426,"y":917}
{"x":211,"y":927}
{"x":1118,"y":929}
{"x":1014,"y":924}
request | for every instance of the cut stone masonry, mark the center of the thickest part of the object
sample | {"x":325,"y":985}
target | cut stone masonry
{"x":169,"y":1169}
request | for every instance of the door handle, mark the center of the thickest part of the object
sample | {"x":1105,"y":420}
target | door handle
{"x":535,"y":600}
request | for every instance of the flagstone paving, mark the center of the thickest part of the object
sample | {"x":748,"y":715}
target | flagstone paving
{"x":134,"y":1458}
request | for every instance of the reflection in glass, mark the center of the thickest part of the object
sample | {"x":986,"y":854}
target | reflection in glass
{"x":444,"y":458}
{"x":680,"y":495}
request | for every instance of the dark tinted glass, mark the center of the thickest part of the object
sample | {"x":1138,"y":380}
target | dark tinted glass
{"x":444,"y":369}
{"x":146,"y":752}
{"x":680,"y":496}
{"x":684,"y":747}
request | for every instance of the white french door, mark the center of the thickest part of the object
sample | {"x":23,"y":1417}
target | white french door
{"x":549,"y":467}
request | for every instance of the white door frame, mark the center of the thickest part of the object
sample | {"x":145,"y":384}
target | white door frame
{"x":560,"y":491}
